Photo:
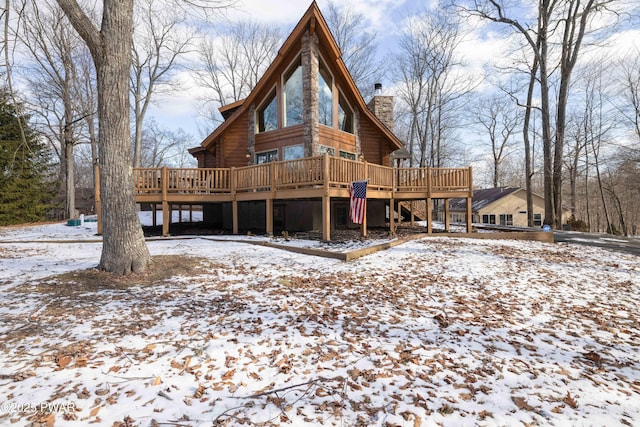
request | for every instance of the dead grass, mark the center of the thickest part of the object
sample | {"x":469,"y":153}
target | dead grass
{"x":161,"y":269}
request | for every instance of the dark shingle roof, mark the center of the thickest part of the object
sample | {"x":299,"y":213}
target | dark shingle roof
{"x":484,"y":197}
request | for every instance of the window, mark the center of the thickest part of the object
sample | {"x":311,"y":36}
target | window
{"x":488,"y":219}
{"x":266,"y":157}
{"x":293,"y":105}
{"x":345,"y":115}
{"x":325,"y":149}
{"x":506,"y":219}
{"x":293,"y":152}
{"x":325,"y":97}
{"x":268,"y":114}
{"x":347,"y":155}
{"x":537,"y":220}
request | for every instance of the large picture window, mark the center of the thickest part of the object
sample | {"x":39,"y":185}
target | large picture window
{"x":292,"y":152}
{"x":268,"y":114}
{"x":325,"y":97}
{"x":293,"y":103}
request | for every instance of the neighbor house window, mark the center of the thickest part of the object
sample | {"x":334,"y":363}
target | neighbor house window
{"x":293,"y":152}
{"x":488,"y":219}
{"x":345,"y":115}
{"x":268,"y":114}
{"x":293,"y":105}
{"x":266,"y":157}
{"x":506,"y":219}
{"x":347,"y":155}
{"x":537,"y":220}
{"x":325,"y":97}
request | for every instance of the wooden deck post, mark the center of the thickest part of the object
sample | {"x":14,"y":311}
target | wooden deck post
{"x":428,"y":205}
{"x":166,"y":214}
{"x":447,"y":220}
{"x":470,"y":202}
{"x":98,"y":207}
{"x":234,"y":202}
{"x":269,"y":216}
{"x":392,"y":217}
{"x":154,"y":209}
{"x":429,"y":213}
{"x":326,"y":199}
{"x":363,"y":226}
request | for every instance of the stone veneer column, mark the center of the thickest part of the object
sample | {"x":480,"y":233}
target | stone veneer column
{"x":310,"y":54}
{"x":251,"y":136}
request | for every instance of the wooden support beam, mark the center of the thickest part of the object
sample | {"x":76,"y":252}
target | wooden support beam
{"x":429,"y":213}
{"x":154,"y":210}
{"x":469,"y":214}
{"x":326,"y":218}
{"x":166,"y":217}
{"x":392,"y":217}
{"x":470,"y":202}
{"x":447,"y":219}
{"x":234,"y":216}
{"x":269,"y":217}
{"x":234,"y":202}
{"x":166,"y":207}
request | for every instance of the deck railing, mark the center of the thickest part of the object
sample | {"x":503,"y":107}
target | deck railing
{"x":300,"y":173}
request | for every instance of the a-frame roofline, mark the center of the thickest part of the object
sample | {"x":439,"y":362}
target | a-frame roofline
{"x":315,"y":22}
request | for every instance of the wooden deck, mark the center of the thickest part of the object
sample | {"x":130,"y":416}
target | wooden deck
{"x":323,"y":177}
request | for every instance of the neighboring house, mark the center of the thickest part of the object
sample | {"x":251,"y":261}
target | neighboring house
{"x":500,"y":206}
{"x":284,"y":157}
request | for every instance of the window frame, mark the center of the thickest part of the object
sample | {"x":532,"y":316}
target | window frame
{"x":267,"y":153}
{"x":506,"y":219}
{"x":295,"y":66}
{"x":330,"y":85}
{"x":266,"y":102}
{"x":488,"y":218}
{"x":348,"y":113}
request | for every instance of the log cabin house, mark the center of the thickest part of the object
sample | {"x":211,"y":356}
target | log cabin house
{"x":284,"y":157}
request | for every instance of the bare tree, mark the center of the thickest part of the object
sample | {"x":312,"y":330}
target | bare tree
{"x":164,"y":147}
{"x":159,"y":40}
{"x":123,"y":249}
{"x":357,"y":45}
{"x":629,"y":70}
{"x":500,"y":120}
{"x":430,"y":89}
{"x":233,"y":62}
{"x":56,"y":80}
{"x":558,"y":31}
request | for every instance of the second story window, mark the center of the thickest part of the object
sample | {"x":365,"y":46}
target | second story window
{"x":268,"y":114}
{"x":345,"y":115}
{"x":325,"y":97}
{"x":292,"y":90}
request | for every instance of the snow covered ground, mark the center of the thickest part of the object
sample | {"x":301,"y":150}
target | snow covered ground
{"x":436,"y":331}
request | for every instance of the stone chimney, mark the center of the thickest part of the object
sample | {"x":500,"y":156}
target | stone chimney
{"x":382,"y":107}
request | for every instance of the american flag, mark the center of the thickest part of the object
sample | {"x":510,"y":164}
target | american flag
{"x":358,"y":192}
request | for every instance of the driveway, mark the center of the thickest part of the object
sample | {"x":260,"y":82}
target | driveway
{"x":616,"y":243}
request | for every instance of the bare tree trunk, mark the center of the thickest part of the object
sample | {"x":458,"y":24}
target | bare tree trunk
{"x":528,"y":149}
{"x":123,"y":249}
